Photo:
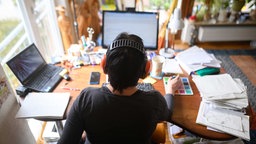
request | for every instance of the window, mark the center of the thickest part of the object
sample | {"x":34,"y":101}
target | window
{"x":27,"y":21}
{"x":38,"y":24}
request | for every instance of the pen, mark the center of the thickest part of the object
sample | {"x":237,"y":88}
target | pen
{"x":74,"y":89}
{"x":174,"y":76}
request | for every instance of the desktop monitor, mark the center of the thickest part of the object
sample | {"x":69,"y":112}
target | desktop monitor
{"x":143,"y":24}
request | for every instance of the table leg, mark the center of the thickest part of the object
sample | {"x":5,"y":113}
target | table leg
{"x":59,"y":126}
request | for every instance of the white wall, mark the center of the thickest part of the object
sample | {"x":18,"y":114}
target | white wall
{"x":12,"y":130}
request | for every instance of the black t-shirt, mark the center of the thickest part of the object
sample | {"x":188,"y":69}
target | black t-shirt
{"x":109,"y":118}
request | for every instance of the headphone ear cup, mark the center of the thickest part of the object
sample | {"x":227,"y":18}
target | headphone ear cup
{"x":147,"y":69}
{"x":103,"y":64}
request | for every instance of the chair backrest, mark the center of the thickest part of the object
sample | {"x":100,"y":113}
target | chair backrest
{"x":159,"y":135}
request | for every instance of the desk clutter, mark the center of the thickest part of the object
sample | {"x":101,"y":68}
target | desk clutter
{"x":195,"y":58}
{"x":78,"y":56}
{"x":224,"y":98}
{"x":223,"y":104}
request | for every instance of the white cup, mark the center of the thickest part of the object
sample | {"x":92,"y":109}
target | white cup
{"x":157,"y":64}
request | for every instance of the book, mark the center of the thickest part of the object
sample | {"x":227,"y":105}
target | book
{"x":44,"y":106}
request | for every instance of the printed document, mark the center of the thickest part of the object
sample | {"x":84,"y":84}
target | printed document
{"x":221,"y":86}
{"x":232,"y":122}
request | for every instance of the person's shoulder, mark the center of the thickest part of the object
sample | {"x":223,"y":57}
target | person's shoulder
{"x":152,"y":93}
{"x":90,"y":90}
{"x":93,"y":91}
{"x":87,"y":93}
{"x":156,"y":92}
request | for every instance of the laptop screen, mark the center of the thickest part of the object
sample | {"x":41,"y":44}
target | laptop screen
{"x":26,"y":63}
{"x":143,"y":24}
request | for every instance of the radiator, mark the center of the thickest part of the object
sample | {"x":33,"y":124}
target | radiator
{"x":226,"y":33}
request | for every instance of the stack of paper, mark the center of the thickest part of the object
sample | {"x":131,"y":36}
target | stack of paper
{"x":44,"y":106}
{"x":223,"y":101}
{"x":195,"y":58}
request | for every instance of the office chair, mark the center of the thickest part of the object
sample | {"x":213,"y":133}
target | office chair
{"x":159,"y":135}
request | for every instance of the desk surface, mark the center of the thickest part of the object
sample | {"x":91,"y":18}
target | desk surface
{"x":185,"y":107}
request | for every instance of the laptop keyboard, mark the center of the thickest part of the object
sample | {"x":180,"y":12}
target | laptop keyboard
{"x":46,"y":77}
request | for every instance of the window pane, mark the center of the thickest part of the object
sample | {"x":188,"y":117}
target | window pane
{"x":9,"y":20}
{"x":13,"y":38}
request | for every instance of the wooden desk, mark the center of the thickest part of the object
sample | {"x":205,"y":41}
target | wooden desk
{"x":185,"y":107}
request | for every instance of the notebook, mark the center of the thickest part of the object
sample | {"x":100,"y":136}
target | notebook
{"x":33,"y":72}
{"x":45,"y":106}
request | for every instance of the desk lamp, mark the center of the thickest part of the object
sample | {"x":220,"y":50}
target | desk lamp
{"x":175,"y":24}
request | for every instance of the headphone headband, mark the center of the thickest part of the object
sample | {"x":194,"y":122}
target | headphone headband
{"x":127,"y":43}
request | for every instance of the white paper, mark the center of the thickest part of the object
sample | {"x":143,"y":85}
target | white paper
{"x":195,"y":58}
{"x":194,"y":55}
{"x":224,"y":119}
{"x":44,"y":105}
{"x":238,"y":126}
{"x":217,"y":85}
{"x":171,"y":66}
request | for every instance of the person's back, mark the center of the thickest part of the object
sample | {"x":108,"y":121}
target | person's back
{"x":118,"y":112}
{"x":115,"y":118}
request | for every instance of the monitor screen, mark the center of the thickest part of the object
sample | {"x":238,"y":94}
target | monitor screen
{"x":143,"y":24}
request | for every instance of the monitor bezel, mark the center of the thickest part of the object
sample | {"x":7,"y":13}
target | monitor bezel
{"x":156,"y":14}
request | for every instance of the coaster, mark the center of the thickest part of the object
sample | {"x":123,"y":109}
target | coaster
{"x":149,"y":80}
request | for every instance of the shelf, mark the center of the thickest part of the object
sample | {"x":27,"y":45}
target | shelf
{"x":247,"y":23}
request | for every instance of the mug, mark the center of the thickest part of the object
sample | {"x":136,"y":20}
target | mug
{"x":157,"y":64}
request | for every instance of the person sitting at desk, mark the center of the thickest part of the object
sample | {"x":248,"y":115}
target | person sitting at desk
{"x":119,"y":112}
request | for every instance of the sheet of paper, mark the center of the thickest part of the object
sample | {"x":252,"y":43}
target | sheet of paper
{"x":224,"y":119}
{"x":195,"y":58}
{"x":212,"y":85}
{"x":214,"y":63}
{"x":44,"y":105}
{"x":218,"y":124}
{"x":234,"y":104}
{"x":194,"y":55}
{"x":171,"y":66}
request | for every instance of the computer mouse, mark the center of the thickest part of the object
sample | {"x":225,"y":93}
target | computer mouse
{"x":67,"y":77}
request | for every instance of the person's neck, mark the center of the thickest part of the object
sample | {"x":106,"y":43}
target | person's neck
{"x":126,"y":92}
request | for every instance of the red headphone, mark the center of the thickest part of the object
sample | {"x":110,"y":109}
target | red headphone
{"x":127,"y":43}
